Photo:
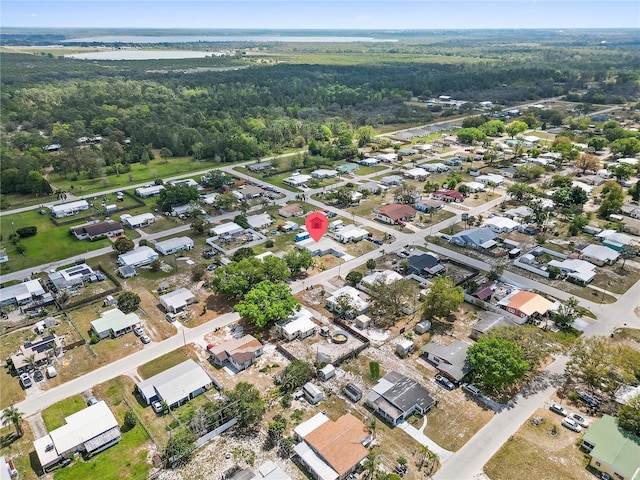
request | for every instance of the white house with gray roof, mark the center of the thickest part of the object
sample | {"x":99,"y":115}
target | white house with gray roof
{"x":397,"y":397}
{"x":176,"y":385}
{"x":599,"y":255}
{"x":174,"y":245}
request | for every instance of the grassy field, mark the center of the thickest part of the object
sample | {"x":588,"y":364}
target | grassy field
{"x":534,"y":449}
{"x":19,"y":450}
{"x":164,"y":362}
{"x":51,"y":243}
{"x":54,"y":415}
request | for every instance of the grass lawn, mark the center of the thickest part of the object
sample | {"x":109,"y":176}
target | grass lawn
{"x":54,"y":415}
{"x":126,"y":459}
{"x":51,"y":243}
{"x":164,"y":362}
{"x":10,"y":389}
{"x":534,"y":449}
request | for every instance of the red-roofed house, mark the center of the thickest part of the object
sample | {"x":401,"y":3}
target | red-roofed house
{"x":448,"y":196}
{"x":240,"y":353}
{"x":395,"y":213}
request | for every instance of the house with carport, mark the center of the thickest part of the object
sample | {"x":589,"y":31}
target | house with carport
{"x":95,"y":230}
{"x":178,"y":300}
{"x":69,"y":209}
{"x":176,"y":385}
{"x":137,"y":221}
{"x":138,"y":257}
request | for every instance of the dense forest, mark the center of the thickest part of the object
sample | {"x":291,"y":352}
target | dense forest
{"x":267,"y":103}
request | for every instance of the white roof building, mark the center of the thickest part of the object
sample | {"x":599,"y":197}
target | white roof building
{"x":299,"y":325}
{"x":350,"y":233}
{"x":174,"y":245}
{"x":490,"y":178}
{"x":387,"y":157}
{"x":138,"y":257}
{"x":501,"y":224}
{"x":475,"y":187}
{"x":416,"y":173}
{"x":177,"y":300}
{"x":356,"y":301}
{"x":297,"y":180}
{"x":229,"y":229}
{"x":579,"y":270}
{"x":209,"y":198}
{"x":114,"y":323}
{"x":324,"y":173}
{"x":599,"y":254}
{"x":68,"y":209}
{"x":92,"y":430}
{"x":150,"y":191}
{"x":176,"y":385}
{"x":587,"y":188}
{"x":21,"y":293}
{"x":389,"y":276}
{"x":259,"y":221}
{"x":137,"y":221}
{"x":326,"y":246}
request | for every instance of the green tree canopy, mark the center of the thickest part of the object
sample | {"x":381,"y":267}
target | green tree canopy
{"x":247,"y":403}
{"x":123,"y":245}
{"x":296,"y":374}
{"x":470,"y":135}
{"x":297,"y":260}
{"x":613,"y":199}
{"x":497,"y":363}
{"x":267,"y":303}
{"x":174,"y":195}
{"x":515,"y":128}
{"x":128,"y":301}
{"x":442,"y":299}
{"x":629,"y":415}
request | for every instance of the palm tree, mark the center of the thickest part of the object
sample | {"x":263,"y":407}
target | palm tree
{"x":13,"y":415}
{"x":370,"y":466}
{"x":61,"y":194}
{"x":372,"y":427}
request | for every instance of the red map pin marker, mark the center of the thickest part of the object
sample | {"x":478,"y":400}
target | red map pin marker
{"x":316,"y":223}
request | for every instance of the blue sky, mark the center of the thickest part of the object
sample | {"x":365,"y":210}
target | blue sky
{"x":308,"y":14}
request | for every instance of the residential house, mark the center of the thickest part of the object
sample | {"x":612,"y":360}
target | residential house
{"x":229,"y":229}
{"x":392,"y":180}
{"x":187,"y":182}
{"x":21,"y":293}
{"x":490,"y":178}
{"x":260,"y":166}
{"x":3,"y":256}
{"x":332,"y":450}
{"x":72,"y":277}
{"x":37,"y":352}
{"x":299,"y":325}
{"x":387,"y":157}
{"x":247,"y":192}
{"x":358,"y":305}
{"x":174,"y":245}
{"x":396,"y":397}
{"x":176,"y":301}
{"x":138,"y":221}
{"x":578,"y":271}
{"x":501,"y":224}
{"x":631,"y":225}
{"x":348,"y":168}
{"x":448,"y":196}
{"x":614,"y":240}
{"x":260,"y":221}
{"x":138,"y":257}
{"x":176,"y":385}
{"x":297,"y":180}
{"x":525,"y":304}
{"x":425,"y":264}
{"x":475,"y":187}
{"x":114,"y":323}
{"x":184,"y":211}
{"x":149,"y":191}
{"x":293,"y":210}
{"x":417,"y":173}
{"x":209,"y":198}
{"x":325,"y":246}
{"x":484,"y":238}
{"x":68,"y":209}
{"x":95,"y":230}
{"x":350,"y":233}
{"x":324,"y":173}
{"x":599,"y":255}
{"x":612,"y":450}
{"x":588,"y":189}
{"x":450,"y":360}
{"x":127,"y":272}
{"x":373,"y":279}
{"x":429,"y":205}
{"x":372,"y":187}
{"x":369,"y":162}
{"x":394,"y":213}
{"x":519,"y":213}
{"x":436,"y":167}
{"x":239,"y":353}
{"x":631,"y":210}
{"x":487,"y":321}
{"x":89,"y":431}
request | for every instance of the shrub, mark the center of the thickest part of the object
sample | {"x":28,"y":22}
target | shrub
{"x":93,"y":339}
{"x":25,"y":232}
{"x":268,"y":244}
{"x":130,"y":420}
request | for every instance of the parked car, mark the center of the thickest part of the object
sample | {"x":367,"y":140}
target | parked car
{"x":25,"y":380}
{"x":559,"y":409}
{"x":91,"y":401}
{"x":580,"y":420}
{"x":145,"y":339}
{"x":212,"y":267}
{"x":589,"y":399}
{"x":445,"y":382}
{"x":471,"y":389}
{"x":571,"y":424}
{"x":157,"y":407}
{"x":37,"y":376}
{"x":138,"y":331}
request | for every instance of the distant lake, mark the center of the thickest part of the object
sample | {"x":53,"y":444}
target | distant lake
{"x":230,"y":38}
{"x":142,"y":55}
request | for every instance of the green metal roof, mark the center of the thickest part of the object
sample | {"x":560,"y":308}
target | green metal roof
{"x":347,"y":167}
{"x":614,"y":446}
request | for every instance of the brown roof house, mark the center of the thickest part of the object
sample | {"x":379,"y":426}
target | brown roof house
{"x":237,"y":353}
{"x":331,"y":450}
{"x":293,"y":210}
{"x":525,"y":304}
{"x":95,"y":230}
{"x":395,"y":213}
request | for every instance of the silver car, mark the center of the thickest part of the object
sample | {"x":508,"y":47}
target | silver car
{"x":580,"y":420}
{"x":571,"y":424}
{"x":559,"y":409}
